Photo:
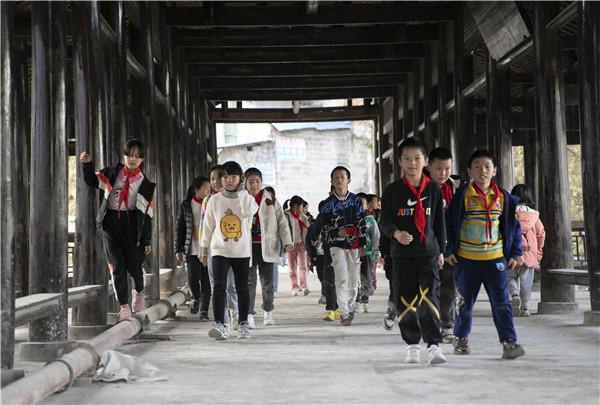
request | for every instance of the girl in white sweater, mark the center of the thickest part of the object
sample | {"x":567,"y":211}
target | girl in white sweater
{"x":226,"y":231}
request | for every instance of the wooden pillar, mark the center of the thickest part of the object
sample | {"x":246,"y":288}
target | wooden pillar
{"x":152,"y":289}
{"x":416,"y":91}
{"x":443,"y":129}
{"x":498,"y":125}
{"x":88,"y":257}
{"x":9,"y":177}
{"x":48,"y":244}
{"x":398,"y":101}
{"x":463,"y":136}
{"x":531,"y":150}
{"x":428,"y":105}
{"x":120,"y":112}
{"x":554,"y":186}
{"x":21,"y":162}
{"x":589,"y":119}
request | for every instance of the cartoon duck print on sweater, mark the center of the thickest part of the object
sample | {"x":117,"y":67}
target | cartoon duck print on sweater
{"x":231,"y":226}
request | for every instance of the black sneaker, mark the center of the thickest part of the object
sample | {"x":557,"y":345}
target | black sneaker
{"x":204,"y":316}
{"x":195,"y":306}
{"x":461,"y":346}
{"x":512,"y":350}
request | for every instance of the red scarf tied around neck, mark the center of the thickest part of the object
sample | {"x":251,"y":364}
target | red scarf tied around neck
{"x":124,"y":195}
{"x":419,"y":211}
{"x":446,"y":193}
{"x":300,"y":222}
{"x":488,"y":207}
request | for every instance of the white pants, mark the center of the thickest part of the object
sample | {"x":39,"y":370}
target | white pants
{"x":346,"y":266}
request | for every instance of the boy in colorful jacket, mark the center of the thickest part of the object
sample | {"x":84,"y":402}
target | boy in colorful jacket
{"x":484,"y":239}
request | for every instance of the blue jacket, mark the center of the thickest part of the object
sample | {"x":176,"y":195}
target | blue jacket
{"x":335,"y":214}
{"x":510,"y":227}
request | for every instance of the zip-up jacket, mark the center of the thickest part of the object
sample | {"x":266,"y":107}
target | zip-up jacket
{"x":336,"y":214}
{"x":397,"y":214}
{"x":144,"y":204}
{"x":510,"y":228}
{"x":184,"y":228}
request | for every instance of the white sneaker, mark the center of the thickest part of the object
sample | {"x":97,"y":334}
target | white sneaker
{"x":413,"y":354}
{"x":219,"y":332}
{"x":435,"y":355}
{"x":243,"y":331}
{"x":364,"y":308}
{"x":294,"y":292}
{"x":251,"y":324}
{"x":268,"y":319}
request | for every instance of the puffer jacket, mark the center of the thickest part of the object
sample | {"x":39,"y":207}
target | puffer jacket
{"x":534,"y":235}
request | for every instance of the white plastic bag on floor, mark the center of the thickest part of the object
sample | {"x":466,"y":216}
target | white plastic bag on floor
{"x":115,"y":366}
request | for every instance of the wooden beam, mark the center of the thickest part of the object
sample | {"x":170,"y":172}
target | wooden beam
{"x":302,"y":69}
{"x":287,"y":115}
{"x":313,"y":94}
{"x":304,"y":36}
{"x":323,"y":54}
{"x":292,"y":83}
{"x":291,"y":14}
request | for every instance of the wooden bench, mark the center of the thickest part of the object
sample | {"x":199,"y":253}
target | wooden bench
{"x":571,"y":276}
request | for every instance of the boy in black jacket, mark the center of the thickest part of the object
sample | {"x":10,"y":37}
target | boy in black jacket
{"x":125,"y":218}
{"x":412,"y":216}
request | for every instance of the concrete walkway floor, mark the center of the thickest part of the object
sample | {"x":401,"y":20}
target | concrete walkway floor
{"x":304,"y":359}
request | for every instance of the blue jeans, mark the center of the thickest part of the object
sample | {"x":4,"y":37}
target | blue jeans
{"x":493,"y":274}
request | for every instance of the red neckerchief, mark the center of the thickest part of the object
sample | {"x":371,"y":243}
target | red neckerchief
{"x":447,"y":193}
{"x":300,"y":222}
{"x":488,"y":207}
{"x":124,"y":195}
{"x":370,"y":212}
{"x":199,"y":201}
{"x":419,"y":211}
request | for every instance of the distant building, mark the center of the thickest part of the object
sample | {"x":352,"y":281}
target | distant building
{"x":297,"y":158}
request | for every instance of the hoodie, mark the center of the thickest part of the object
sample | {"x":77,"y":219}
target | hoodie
{"x":534,"y":236}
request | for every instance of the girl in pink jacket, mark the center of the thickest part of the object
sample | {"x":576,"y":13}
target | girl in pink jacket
{"x":520,"y":280}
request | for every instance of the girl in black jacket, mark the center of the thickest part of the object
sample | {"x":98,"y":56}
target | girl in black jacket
{"x":187,"y":244}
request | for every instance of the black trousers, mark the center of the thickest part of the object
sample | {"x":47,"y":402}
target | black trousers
{"x":329,"y":282}
{"x":388,"y":268}
{"x":319,"y":262}
{"x":124,"y":256}
{"x":448,"y":296}
{"x":240,"y":268}
{"x":199,"y":281}
{"x":366,"y":265}
{"x":416,"y":281}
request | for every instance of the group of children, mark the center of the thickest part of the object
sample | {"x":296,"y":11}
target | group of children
{"x":440,"y":241}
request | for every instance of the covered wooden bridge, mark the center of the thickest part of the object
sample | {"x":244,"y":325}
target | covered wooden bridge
{"x":84,"y":76}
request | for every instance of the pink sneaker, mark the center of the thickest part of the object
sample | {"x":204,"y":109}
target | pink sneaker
{"x":138,"y":301}
{"x":124,"y":312}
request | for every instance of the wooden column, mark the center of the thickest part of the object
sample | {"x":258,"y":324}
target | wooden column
{"x":9,"y":177}
{"x":498,"y":122}
{"x":164,"y":182}
{"x":428,"y":105}
{"x":396,"y":132}
{"x":416,"y":90}
{"x":48,"y":242}
{"x":21,"y":163}
{"x":443,"y":129}
{"x":463,"y":136}
{"x":152,"y":160}
{"x":554,"y":185}
{"x":89,"y":261}
{"x":531,"y":150}
{"x":589,"y":119}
